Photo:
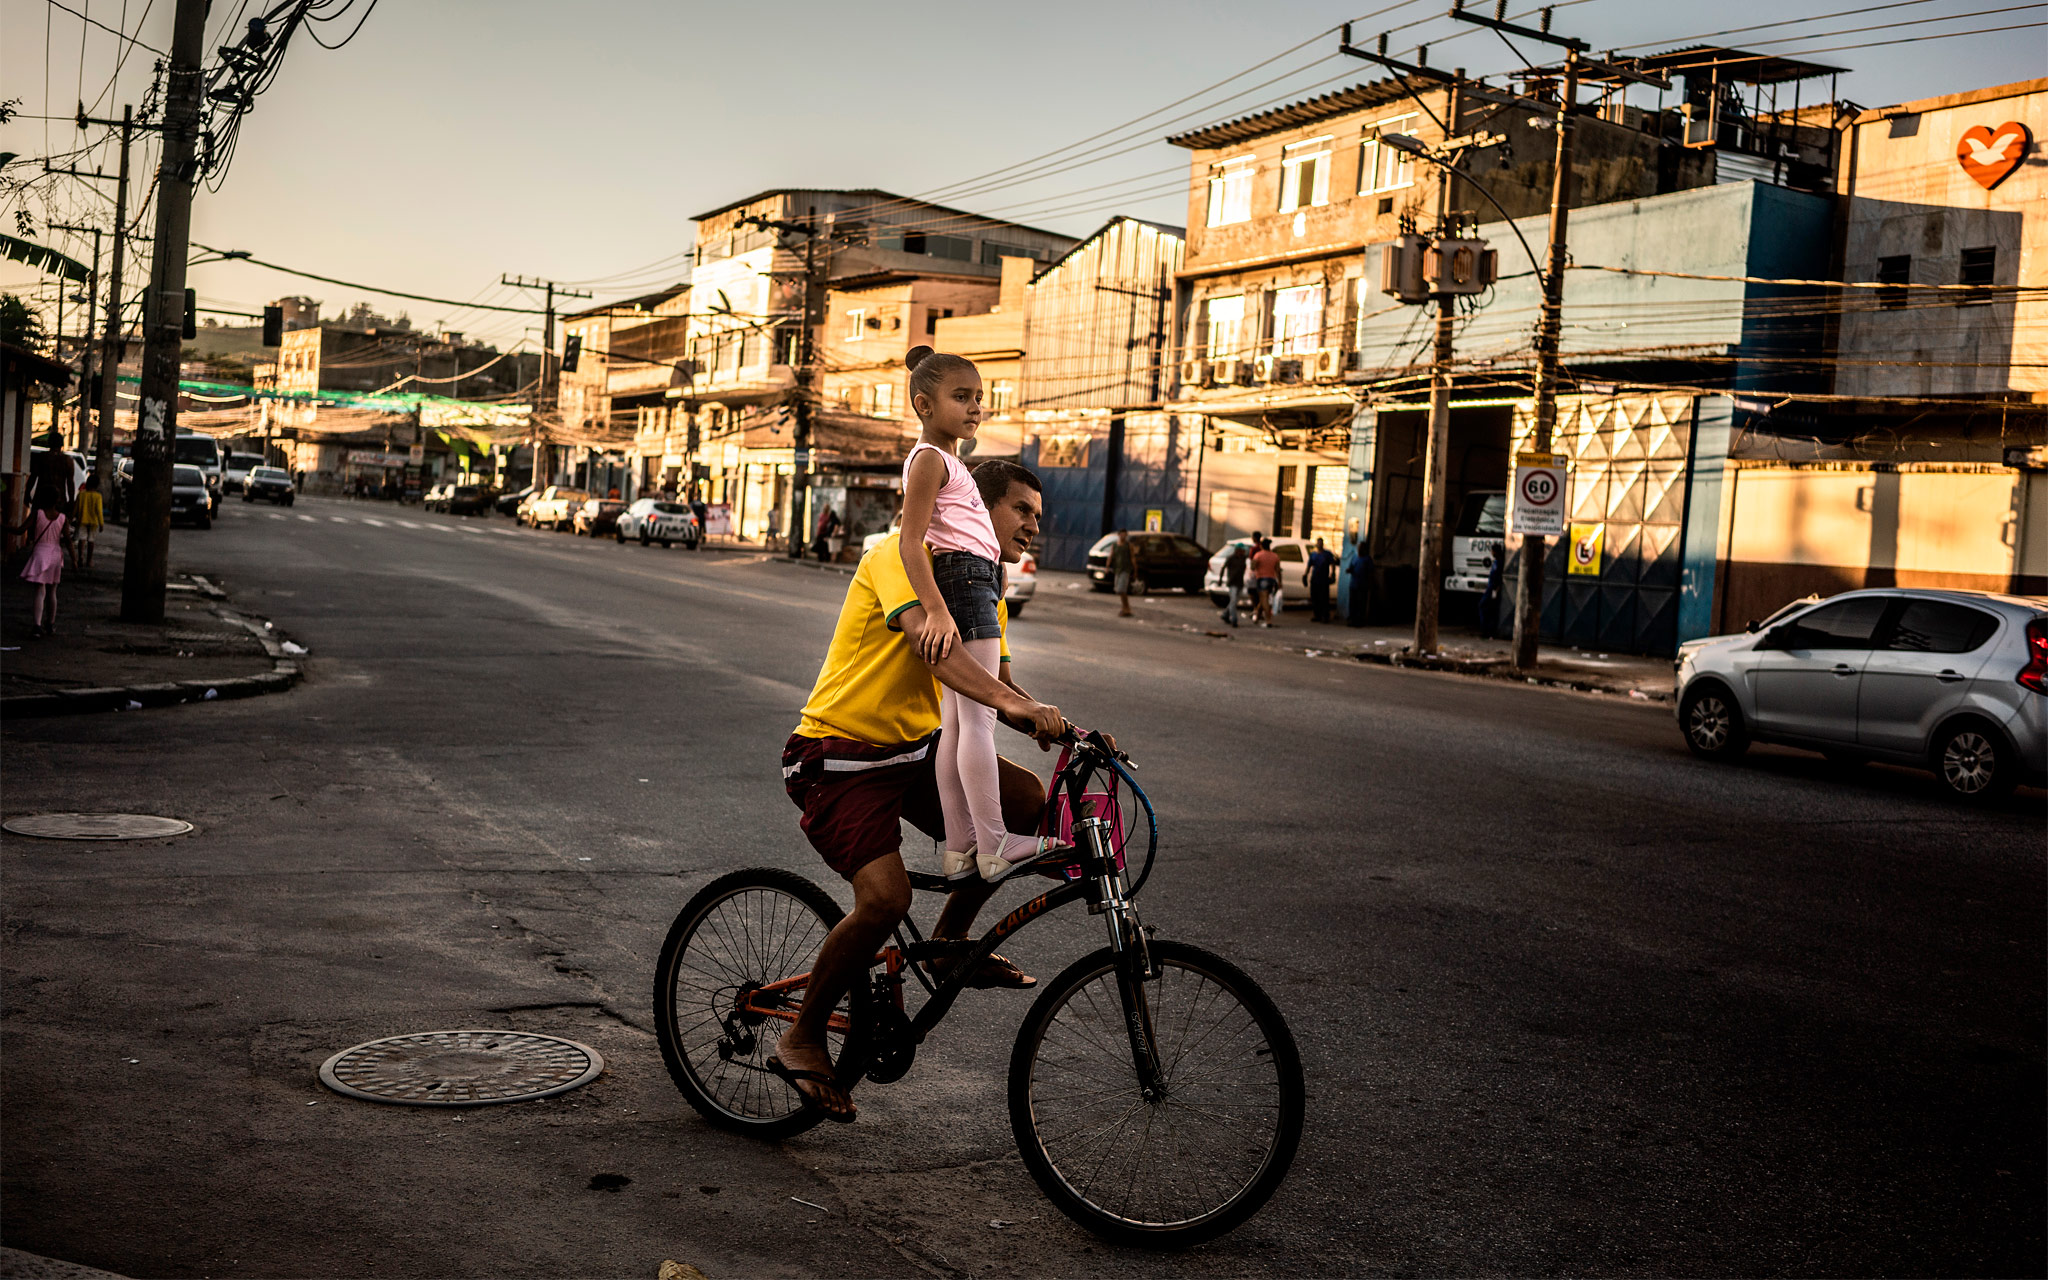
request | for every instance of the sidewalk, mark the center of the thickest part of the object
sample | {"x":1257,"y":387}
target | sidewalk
{"x":1461,"y":649}
{"x":202,"y":651}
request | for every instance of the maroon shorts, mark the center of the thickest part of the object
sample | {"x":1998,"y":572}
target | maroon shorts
{"x":855,"y":796}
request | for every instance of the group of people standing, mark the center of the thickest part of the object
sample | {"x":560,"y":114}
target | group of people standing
{"x":60,"y":522}
{"x":1254,"y":564}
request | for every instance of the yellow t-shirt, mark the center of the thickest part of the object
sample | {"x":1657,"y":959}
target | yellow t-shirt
{"x":873,"y":687}
{"x":90,"y":509}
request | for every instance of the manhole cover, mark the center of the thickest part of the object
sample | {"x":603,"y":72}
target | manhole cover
{"x":95,"y":826}
{"x":461,"y":1068}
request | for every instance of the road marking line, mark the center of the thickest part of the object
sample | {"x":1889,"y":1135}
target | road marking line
{"x":275,"y":515}
{"x":407,"y":523}
{"x":310,"y":519}
{"x":340,"y":519}
{"x":369,"y":520}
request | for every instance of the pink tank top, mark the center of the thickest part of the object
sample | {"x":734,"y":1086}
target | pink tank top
{"x":959,"y":518}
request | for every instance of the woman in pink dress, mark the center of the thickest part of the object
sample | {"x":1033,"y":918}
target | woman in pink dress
{"x":45,"y":567}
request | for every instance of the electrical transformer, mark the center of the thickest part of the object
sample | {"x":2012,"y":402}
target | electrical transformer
{"x":1401,"y":274}
{"x":1459,"y":266}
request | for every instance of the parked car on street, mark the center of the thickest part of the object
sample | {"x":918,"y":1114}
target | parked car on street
{"x":595,"y":517}
{"x":658,"y":520}
{"x":1953,"y":681}
{"x":552,"y":507}
{"x":507,"y":504}
{"x":434,"y":496}
{"x":1482,"y":525}
{"x":1159,"y":562}
{"x":1293,"y":553}
{"x":467,"y":500}
{"x":235,"y":470}
{"x":191,"y":499}
{"x":270,"y":484}
{"x":203,"y":452}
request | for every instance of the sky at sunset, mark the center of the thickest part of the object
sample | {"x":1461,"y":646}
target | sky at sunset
{"x":451,"y":140}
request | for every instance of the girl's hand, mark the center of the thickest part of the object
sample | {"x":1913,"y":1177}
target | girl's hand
{"x":937,"y":638}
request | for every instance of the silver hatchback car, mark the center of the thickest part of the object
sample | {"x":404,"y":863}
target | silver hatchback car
{"x":1954,"y":681}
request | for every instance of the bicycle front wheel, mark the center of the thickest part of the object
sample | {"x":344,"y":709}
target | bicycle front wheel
{"x":1202,"y":1155}
{"x":723,"y":997}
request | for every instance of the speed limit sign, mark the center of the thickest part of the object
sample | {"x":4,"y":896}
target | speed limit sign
{"x":1537,"y":505}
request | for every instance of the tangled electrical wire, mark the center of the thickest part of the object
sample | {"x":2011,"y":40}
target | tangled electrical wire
{"x":247,"y":69}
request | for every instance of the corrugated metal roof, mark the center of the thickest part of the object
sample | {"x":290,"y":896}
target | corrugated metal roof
{"x":1736,"y":65}
{"x":1307,"y":111}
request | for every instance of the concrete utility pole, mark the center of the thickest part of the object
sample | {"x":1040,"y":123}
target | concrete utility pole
{"x":1529,"y":582}
{"x":110,"y":349}
{"x":163,"y":321}
{"x":549,"y":389}
{"x":1435,"y":459}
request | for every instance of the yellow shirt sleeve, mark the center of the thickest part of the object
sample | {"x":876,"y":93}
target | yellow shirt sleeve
{"x":891,"y":585}
{"x":1003,"y":618}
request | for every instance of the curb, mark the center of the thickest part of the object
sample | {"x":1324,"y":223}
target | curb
{"x":284,"y":672}
{"x":1496,"y":669}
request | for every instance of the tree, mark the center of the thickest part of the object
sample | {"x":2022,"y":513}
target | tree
{"x":20,"y":324}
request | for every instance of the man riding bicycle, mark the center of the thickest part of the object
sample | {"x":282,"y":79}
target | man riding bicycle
{"x":862,"y":759}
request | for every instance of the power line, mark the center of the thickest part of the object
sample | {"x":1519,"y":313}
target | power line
{"x":371,"y":288}
{"x":59,"y":4}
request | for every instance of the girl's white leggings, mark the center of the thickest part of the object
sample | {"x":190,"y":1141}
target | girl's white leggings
{"x":969,"y":792}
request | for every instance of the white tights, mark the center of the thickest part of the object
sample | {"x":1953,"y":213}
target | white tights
{"x":969,"y":793}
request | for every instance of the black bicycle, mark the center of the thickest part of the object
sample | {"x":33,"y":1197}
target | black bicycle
{"x":1155,"y":1091}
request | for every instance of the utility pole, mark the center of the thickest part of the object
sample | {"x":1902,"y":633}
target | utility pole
{"x":163,"y":320}
{"x":110,"y":350}
{"x":549,"y":390}
{"x":1429,"y":583}
{"x":815,"y":272}
{"x":92,"y":299}
{"x":1529,"y":582}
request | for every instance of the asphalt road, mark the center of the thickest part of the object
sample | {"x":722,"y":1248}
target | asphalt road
{"x":1569,"y":1000}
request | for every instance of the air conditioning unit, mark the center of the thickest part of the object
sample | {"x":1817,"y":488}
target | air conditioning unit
{"x":1227,"y":373}
{"x":1458,"y":266}
{"x":1326,"y":363}
{"x":1262,"y":369}
{"x":1194,"y":373}
{"x":1401,"y":269}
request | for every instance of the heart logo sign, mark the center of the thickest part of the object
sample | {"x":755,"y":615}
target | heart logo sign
{"x":1988,"y":155}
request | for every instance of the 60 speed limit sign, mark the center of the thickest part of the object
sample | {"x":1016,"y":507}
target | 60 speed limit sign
{"x":1537,"y":504}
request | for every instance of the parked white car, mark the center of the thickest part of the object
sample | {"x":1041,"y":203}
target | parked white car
{"x":658,"y":520}
{"x":1293,"y":553}
{"x":1953,"y":681}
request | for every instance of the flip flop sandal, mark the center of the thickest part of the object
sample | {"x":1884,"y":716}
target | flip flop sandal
{"x":996,"y":973}
{"x":790,"y":1076}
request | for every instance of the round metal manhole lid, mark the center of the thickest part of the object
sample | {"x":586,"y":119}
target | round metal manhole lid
{"x":461,"y":1068}
{"x":96,"y":826}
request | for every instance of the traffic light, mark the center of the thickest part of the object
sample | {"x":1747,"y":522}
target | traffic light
{"x":572,"y":351}
{"x":191,"y":329}
{"x":273,"y":326}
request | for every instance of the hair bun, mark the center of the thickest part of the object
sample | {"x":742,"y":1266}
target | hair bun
{"x":917,"y":356}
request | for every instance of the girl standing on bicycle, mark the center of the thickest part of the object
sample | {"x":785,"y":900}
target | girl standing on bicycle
{"x":959,"y":584}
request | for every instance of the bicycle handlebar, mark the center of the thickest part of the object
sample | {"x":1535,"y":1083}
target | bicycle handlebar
{"x":1075,"y":736}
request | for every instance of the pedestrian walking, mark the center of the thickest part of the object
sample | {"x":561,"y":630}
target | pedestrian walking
{"x":1265,"y":581}
{"x":774,"y":537}
{"x":1360,"y":601}
{"x":1319,"y":575}
{"x":1489,"y":599}
{"x":1120,"y":566}
{"x":828,"y":529}
{"x":1233,"y":579}
{"x":89,"y":511}
{"x":44,"y":568}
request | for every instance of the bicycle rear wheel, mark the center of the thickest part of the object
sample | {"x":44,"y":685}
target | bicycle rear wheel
{"x":1202,"y":1156}
{"x":742,"y":932}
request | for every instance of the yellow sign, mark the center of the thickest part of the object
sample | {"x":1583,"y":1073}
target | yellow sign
{"x":1585,"y":552}
{"x":1155,"y":520}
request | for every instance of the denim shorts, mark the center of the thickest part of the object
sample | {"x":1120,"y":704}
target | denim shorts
{"x":970,"y":586}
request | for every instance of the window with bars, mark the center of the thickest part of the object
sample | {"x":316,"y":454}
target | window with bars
{"x":1297,"y":320}
{"x":1002,"y":395}
{"x":1230,"y":191}
{"x":1305,"y":175}
{"x":1225,"y":327}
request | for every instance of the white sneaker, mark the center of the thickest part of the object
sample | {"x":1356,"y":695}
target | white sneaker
{"x":959,"y":864}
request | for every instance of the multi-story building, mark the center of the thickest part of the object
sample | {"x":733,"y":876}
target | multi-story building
{"x":892,"y":269}
{"x":1314,"y":382}
{"x":617,"y":419}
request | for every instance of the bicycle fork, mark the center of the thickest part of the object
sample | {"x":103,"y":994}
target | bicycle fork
{"x":1110,"y":896}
